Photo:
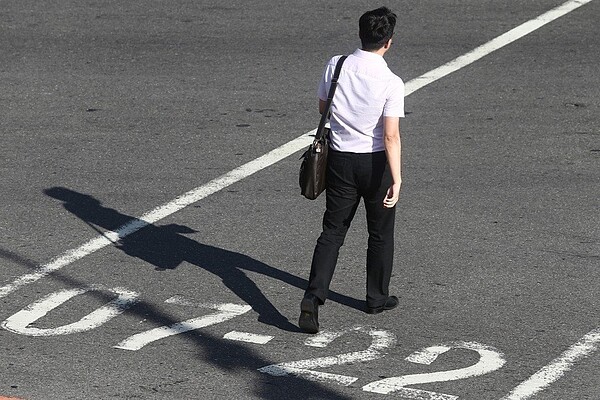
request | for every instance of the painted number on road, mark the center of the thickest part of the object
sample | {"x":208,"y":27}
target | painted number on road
{"x":490,"y":360}
{"x":223,"y":313}
{"x":21,"y":321}
{"x":381,"y":340}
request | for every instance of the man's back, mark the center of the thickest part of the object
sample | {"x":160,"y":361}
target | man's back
{"x":367,"y":91}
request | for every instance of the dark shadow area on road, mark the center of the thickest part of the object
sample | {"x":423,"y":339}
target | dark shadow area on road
{"x":227,"y":355}
{"x":166,"y":247}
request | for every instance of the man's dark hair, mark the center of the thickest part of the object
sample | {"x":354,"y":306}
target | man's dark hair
{"x":376,"y":27}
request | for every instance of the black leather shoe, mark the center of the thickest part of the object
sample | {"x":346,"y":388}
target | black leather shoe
{"x":309,"y":314}
{"x":390,"y":303}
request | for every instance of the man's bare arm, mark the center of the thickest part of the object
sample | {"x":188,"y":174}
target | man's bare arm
{"x":393,"y":151}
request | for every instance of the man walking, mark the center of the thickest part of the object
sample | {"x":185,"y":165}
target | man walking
{"x":363,"y":162}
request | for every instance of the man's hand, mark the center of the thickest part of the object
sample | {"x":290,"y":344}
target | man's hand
{"x":392,"y":196}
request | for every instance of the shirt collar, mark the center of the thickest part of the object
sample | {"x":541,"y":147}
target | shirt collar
{"x":367,"y":55}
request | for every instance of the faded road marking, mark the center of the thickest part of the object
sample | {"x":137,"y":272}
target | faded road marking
{"x":248,"y":337}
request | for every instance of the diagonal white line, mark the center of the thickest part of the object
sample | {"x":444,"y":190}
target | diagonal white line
{"x":493,"y":45}
{"x":557,"y":368}
{"x":274,"y":156}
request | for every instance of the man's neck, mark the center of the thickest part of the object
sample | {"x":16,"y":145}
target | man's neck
{"x":381,"y":51}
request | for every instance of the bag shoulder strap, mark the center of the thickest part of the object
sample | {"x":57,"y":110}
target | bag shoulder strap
{"x":334,"y":81}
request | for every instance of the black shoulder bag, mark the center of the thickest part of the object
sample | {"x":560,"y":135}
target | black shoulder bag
{"x":313,"y":169}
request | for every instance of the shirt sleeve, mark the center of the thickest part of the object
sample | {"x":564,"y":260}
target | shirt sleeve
{"x":326,"y":78}
{"x":394,"y":105}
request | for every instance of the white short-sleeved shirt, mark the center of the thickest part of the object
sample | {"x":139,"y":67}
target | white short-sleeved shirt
{"x":367,"y":91}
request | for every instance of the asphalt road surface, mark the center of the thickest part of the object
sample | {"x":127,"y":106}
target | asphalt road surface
{"x":114,"y":286}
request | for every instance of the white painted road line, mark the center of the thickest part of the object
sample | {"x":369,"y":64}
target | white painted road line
{"x":493,"y":45}
{"x":224,"y":312}
{"x":160,"y":212}
{"x":557,"y":368}
{"x":273,"y":156}
{"x":248,"y":337}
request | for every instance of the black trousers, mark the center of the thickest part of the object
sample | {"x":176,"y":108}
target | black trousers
{"x":350,"y":177}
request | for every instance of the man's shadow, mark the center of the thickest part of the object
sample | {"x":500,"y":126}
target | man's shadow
{"x":165,"y":247}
